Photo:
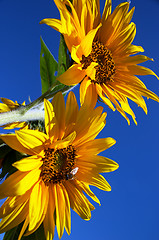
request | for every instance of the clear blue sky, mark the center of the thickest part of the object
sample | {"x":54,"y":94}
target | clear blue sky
{"x":130,"y":211}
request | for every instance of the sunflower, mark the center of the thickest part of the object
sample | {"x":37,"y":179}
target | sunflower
{"x":8,"y":105}
{"x":101,"y":48}
{"x":61,"y":165}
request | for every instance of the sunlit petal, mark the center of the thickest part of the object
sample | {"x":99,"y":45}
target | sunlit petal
{"x":57,"y":101}
{"x":28,"y":163}
{"x":72,"y":76}
{"x":32,"y":139}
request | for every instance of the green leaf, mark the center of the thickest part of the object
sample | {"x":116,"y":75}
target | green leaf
{"x":13,"y":234}
{"x":4,"y":149}
{"x":64,"y":58}
{"x":48,"y":68}
{"x":9,"y":159}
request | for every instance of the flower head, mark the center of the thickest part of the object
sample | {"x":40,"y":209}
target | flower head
{"x":61,"y":165}
{"x":101,"y":48}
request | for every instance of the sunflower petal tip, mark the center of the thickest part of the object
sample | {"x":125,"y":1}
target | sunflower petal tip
{"x":157,"y":77}
{"x":117,"y":165}
{"x":42,"y":21}
{"x":142,"y":49}
{"x":128,"y":121}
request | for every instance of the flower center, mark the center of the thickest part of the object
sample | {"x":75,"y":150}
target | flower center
{"x":58,"y":165}
{"x":105,"y":69}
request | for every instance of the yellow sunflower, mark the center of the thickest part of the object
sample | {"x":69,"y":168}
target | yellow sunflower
{"x":61,"y":165}
{"x":8,"y":105}
{"x":101,"y":48}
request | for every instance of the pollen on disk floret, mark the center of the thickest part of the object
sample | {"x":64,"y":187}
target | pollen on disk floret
{"x":105,"y":69}
{"x":58,"y":164}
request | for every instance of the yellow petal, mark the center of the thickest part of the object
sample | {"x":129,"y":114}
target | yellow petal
{"x":49,"y":118}
{"x":114,"y":23}
{"x":49,"y":222}
{"x":4,"y":108}
{"x":74,"y":56}
{"x":32,"y":139}
{"x":129,"y":92}
{"x":124,"y":39}
{"x":91,"y":128}
{"x":8,"y":206}
{"x":102,"y":164}
{"x":132,"y":49}
{"x":96,"y":146}
{"x":14,"y":218}
{"x":126,"y":78}
{"x":86,"y":18}
{"x":83,"y":89}
{"x":103,"y":97}
{"x":129,"y":16}
{"x":109,"y":92}
{"x":132,"y":60}
{"x":54,"y":23}
{"x":12,"y":202}
{"x":78,"y":201}
{"x":71,"y":110}
{"x":107,"y":10}
{"x":147,"y":93}
{"x":118,"y":19}
{"x":94,"y":12}
{"x":65,"y":142}
{"x":85,"y":47}
{"x":10,"y":103}
{"x":75,"y":20}
{"x":18,"y":183}
{"x":23,"y":227}
{"x":15,"y":125}
{"x":28,"y":163}
{"x":85,"y":188}
{"x":12,"y":141}
{"x":89,"y":124}
{"x":91,"y":71}
{"x":72,"y":76}
{"x":60,"y":209}
{"x":59,"y":109}
{"x":88,"y":90}
{"x":37,"y":206}
{"x":94,"y":180}
{"x":140,"y":70}
{"x":125,"y":106}
{"x":70,"y":26}
{"x":67,"y":211}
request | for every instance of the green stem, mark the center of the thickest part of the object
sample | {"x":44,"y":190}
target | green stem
{"x":47,"y":95}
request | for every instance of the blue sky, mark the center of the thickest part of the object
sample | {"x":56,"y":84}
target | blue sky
{"x":131,"y":209}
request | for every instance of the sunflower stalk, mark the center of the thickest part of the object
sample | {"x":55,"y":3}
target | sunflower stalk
{"x":33,"y":111}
